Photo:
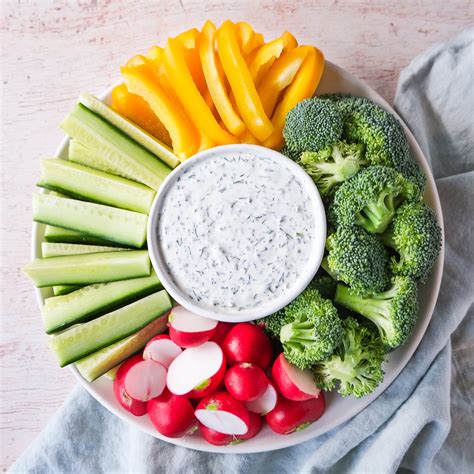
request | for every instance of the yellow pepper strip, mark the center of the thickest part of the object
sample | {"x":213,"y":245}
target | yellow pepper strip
{"x":268,"y":53}
{"x":303,"y":86}
{"x":184,"y":137}
{"x":138,"y":111}
{"x":241,"y":83}
{"x":245,"y":35}
{"x":214,"y":79}
{"x":258,"y":40}
{"x":247,"y":137}
{"x":190,"y":97}
{"x":280,"y":75}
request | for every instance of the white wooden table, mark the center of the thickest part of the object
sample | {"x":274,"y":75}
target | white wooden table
{"x":52,"y":51}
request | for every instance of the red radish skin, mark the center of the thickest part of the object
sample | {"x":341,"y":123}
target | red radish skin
{"x":265,"y":403}
{"x":221,"y":331}
{"x":223,"y":413}
{"x":172,"y":415}
{"x":135,"y":407}
{"x":145,"y":380}
{"x":255,"y":425}
{"x":216,"y":438}
{"x":188,"y":329}
{"x":161,"y":349}
{"x":197,"y":371}
{"x":246,"y":382}
{"x":246,"y":342}
{"x":289,"y":416}
{"x":293,"y":383}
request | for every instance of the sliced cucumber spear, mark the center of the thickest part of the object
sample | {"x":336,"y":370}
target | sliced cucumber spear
{"x":53,"y":249}
{"x":105,"y":222}
{"x":103,"y":361}
{"x":84,"y":339}
{"x":60,"y":290}
{"x":61,"y":235}
{"x":82,"y":182}
{"x":60,"y":312}
{"x":115,"y":147}
{"x":141,"y":136}
{"x":89,"y":268}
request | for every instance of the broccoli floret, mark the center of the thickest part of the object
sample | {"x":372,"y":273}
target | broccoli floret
{"x":371,"y":197}
{"x":382,"y":134}
{"x":357,"y":363}
{"x":292,"y":155}
{"x":313,"y":329}
{"x":359,"y":259}
{"x":416,"y":237}
{"x":312,"y":124}
{"x":393,"y":311}
{"x":325,"y":285}
{"x":332,"y":165}
{"x":272,"y":324}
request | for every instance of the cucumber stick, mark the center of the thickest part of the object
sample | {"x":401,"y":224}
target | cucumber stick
{"x":89,"y":268}
{"x":61,"y":235}
{"x":90,"y":301}
{"x":79,"y":153}
{"x":101,"y":362}
{"x":115,"y":147}
{"x":59,"y":290}
{"x":84,"y":339}
{"x":131,"y":129}
{"x":92,"y":185}
{"x":105,"y":222}
{"x":51,"y":249}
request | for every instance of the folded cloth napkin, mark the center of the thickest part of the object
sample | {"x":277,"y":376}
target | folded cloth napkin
{"x":408,"y":424}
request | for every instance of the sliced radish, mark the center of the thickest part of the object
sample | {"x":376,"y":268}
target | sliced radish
{"x":197,"y":371}
{"x":216,"y":438}
{"x":264,"y":403}
{"x":255,"y":425}
{"x":188,"y":329}
{"x":289,"y":416}
{"x":145,"y":380}
{"x":246,"y":381}
{"x":293,"y":383}
{"x":172,"y":415}
{"x":223,"y":413}
{"x":246,"y":342}
{"x":135,"y":407}
{"x":162,"y":349}
{"x":221,"y":331}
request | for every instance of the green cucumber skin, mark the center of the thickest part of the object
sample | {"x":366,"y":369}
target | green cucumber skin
{"x":102,"y":362}
{"x":107,"y":223}
{"x":89,"y":268}
{"x":59,"y":249}
{"x":115,"y":147}
{"x":84,"y":339}
{"x":91,"y":301}
{"x":61,"y":235}
{"x":60,"y":290}
{"x":141,"y":136}
{"x":81,"y":182}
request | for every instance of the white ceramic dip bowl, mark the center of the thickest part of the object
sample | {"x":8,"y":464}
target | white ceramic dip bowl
{"x":236,"y":232}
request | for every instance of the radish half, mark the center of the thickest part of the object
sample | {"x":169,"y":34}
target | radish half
{"x":223,"y":413}
{"x":188,"y":329}
{"x":145,"y":380}
{"x":221,"y":331}
{"x":197,"y":371}
{"x":293,"y":383}
{"x":255,"y":425}
{"x":162,"y":349}
{"x":216,"y":438}
{"x":246,"y":381}
{"x":264,"y":403}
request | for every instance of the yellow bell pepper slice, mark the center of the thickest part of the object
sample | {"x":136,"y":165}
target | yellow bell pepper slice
{"x":245,"y":36}
{"x":137,"y":110}
{"x":190,"y":97}
{"x":268,"y":53}
{"x":241,"y":83}
{"x":184,"y":137}
{"x":280,"y":75}
{"x":303,"y":86}
{"x":213,"y":74}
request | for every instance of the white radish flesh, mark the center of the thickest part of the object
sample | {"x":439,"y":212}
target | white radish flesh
{"x":183,"y":320}
{"x":303,"y":379}
{"x":162,"y":350}
{"x":145,"y":380}
{"x":265,"y":403}
{"x":222,"y":421}
{"x":193,"y":367}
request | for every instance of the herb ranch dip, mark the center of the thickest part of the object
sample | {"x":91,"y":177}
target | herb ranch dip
{"x":236,"y":230}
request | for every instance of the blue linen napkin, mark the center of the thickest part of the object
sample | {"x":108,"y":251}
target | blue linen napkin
{"x":405,"y":428}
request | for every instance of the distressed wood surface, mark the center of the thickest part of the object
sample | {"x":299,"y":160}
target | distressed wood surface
{"x":53,"y":50}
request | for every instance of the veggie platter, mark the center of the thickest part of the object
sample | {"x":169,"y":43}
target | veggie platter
{"x":327,"y":242}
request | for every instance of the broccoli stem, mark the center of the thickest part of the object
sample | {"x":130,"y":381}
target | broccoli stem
{"x":299,"y":333}
{"x":377,"y":215}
